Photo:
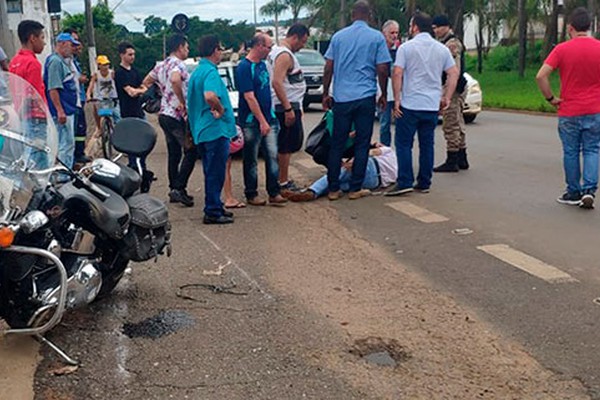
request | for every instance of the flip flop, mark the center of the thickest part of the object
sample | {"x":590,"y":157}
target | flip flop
{"x":239,"y":204}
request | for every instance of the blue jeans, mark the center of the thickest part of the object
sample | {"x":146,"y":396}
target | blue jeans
{"x":361,"y":113}
{"x":80,"y":131}
{"x":580,"y":135}
{"x":214,"y":156}
{"x":37,"y":129}
{"x":371,"y":180}
{"x":385,"y":124}
{"x":252,"y":141}
{"x":66,"y":140}
{"x":424,"y":123}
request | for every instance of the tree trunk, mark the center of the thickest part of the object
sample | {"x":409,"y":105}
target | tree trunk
{"x":277,"y":28}
{"x":551,"y":35}
{"x":342,"y":13}
{"x":479,"y":39}
{"x":522,"y":37}
{"x":591,"y":6}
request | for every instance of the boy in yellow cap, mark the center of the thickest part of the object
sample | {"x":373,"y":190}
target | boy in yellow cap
{"x":102,"y":88}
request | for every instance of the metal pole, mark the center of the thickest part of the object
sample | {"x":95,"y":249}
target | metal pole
{"x":342,"y":13}
{"x":6,"y":38}
{"x":254,"y":9}
{"x":89,"y":23}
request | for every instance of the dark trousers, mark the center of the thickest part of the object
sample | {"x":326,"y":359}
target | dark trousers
{"x":179,"y":170}
{"x":214,"y":156}
{"x":80,"y":132}
{"x":361,"y":113}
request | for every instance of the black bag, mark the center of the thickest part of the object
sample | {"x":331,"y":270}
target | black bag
{"x":317,"y":138}
{"x":149,"y":231}
{"x":151,"y":99}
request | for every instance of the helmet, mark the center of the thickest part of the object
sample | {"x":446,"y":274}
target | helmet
{"x":237,"y":142}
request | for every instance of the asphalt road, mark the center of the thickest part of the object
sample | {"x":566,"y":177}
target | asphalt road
{"x":312,"y":283}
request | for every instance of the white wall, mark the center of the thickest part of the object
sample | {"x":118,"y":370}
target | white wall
{"x":35,"y":10}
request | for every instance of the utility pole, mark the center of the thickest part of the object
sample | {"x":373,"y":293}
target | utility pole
{"x":342,"y":13}
{"x":522,"y":36}
{"x":6,"y":38}
{"x":254,"y":9}
{"x":89,"y":23}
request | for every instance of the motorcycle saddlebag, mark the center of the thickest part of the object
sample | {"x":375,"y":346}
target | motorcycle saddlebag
{"x":149,"y":231}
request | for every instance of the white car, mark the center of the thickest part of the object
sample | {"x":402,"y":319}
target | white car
{"x":227,"y":73}
{"x":473,"y":99}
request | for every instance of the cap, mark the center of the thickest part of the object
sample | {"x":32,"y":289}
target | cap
{"x":102,"y":60}
{"x":66,"y":37}
{"x":440,"y":20}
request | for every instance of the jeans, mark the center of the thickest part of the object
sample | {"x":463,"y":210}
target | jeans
{"x":179,"y":170}
{"x":37,"y":129}
{"x":385,"y":124}
{"x":66,"y":140}
{"x":371,"y":180}
{"x":361,"y":113}
{"x":214,"y":156}
{"x":424,"y":123}
{"x":80,"y":132}
{"x":253,"y":140}
{"x":580,"y":135}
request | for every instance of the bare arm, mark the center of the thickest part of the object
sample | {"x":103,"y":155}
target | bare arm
{"x":327,"y":75}
{"x":4,"y":65}
{"x":383,"y":73}
{"x":255,"y":108}
{"x":55,"y":98}
{"x":177,"y":84}
{"x":397,"y":88}
{"x":283,"y":64}
{"x":543,"y":81}
{"x":90,"y":89}
{"x":215,"y":104}
{"x":451,"y":81}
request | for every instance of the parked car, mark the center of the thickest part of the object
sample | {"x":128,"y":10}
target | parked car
{"x":227,"y":73}
{"x":473,"y":99}
{"x":312,"y":63}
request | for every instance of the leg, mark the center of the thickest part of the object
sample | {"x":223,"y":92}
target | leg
{"x":173,"y":149}
{"x":406,"y":126}
{"x":363,"y":116}
{"x":252,"y":140}
{"x":283,"y":160}
{"x":371,"y":176}
{"x":66,"y":141}
{"x":591,"y":146}
{"x":568,"y":129}
{"x":80,"y":133}
{"x":269,"y":145}
{"x":342,"y":124}
{"x":184,"y":170}
{"x":214,"y":162}
{"x":385,"y":120}
{"x":453,"y":127}
{"x":426,"y":128}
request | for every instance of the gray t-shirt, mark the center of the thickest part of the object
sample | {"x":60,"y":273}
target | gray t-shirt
{"x":2,"y":55}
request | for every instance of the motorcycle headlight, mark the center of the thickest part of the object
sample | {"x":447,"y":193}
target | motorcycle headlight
{"x":33,"y":221}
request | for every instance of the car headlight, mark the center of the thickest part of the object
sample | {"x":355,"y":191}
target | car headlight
{"x":475,"y":88}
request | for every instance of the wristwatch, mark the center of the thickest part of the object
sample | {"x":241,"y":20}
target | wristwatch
{"x":549,"y":99}
{"x":288,"y":110}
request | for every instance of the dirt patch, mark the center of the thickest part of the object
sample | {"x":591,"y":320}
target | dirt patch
{"x":18,"y":361}
{"x":380,"y":351}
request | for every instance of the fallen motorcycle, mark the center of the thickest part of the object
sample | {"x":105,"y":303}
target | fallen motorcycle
{"x":66,"y":237}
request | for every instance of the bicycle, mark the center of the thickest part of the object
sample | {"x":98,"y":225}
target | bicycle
{"x":105,"y":112}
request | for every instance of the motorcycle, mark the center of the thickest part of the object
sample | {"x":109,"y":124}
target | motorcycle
{"x":66,"y":237}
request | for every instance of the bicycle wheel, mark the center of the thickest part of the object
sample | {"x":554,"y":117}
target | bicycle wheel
{"x":107,"y":131}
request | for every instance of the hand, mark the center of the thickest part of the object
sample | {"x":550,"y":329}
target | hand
{"x":444,"y":104}
{"x":556,"y":101}
{"x":265,"y":128}
{"x":88,"y":98}
{"x":382,"y":102}
{"x":181,"y":108}
{"x":62,"y":117}
{"x":290,"y":118}
{"x":83,"y":79}
{"x":217,"y":113}
{"x":326,"y":102}
{"x":397,"y":110}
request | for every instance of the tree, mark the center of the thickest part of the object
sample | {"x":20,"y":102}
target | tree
{"x":522,"y":15}
{"x":274,"y":8}
{"x":154,"y":25}
{"x":295,"y":7}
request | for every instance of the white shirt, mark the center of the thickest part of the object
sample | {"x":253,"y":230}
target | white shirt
{"x":388,"y":166}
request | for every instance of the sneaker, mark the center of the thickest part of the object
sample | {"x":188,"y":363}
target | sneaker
{"x":359,"y":194}
{"x":209,"y":220}
{"x":290,"y":185}
{"x":587,"y":201}
{"x":227,"y":214}
{"x":333,"y":196}
{"x":398,"y":191}
{"x":421,"y":189}
{"x":178,"y":196}
{"x":572,"y":199}
{"x":307,"y":195}
{"x":185,"y":193}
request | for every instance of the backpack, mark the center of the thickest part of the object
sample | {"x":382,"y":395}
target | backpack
{"x":151,"y":99}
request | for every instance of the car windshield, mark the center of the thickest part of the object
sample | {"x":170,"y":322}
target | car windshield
{"x":310,"y":58}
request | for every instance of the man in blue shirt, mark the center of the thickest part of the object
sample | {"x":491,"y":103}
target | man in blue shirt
{"x":418,"y":99}
{"x":61,"y":92}
{"x":212,"y":125}
{"x":257,"y":119}
{"x":356,"y":57}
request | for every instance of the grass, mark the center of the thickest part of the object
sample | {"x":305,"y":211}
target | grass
{"x":507,"y":90}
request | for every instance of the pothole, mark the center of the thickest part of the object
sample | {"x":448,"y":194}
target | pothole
{"x":380,"y":351}
{"x":164,"y":323}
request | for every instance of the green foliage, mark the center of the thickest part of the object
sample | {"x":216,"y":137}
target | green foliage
{"x":506,"y":58}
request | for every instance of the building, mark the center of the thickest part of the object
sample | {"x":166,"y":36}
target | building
{"x":37,"y":10}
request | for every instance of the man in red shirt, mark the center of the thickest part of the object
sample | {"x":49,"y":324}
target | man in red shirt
{"x":578,"y":63}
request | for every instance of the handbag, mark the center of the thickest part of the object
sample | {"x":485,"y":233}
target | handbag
{"x":317,"y":138}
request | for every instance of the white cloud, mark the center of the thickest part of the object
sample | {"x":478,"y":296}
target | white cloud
{"x":131,"y":12}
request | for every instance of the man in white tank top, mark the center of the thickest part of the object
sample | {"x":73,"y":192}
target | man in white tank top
{"x":287,"y":91}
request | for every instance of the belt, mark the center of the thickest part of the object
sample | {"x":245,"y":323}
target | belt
{"x":378,"y":171}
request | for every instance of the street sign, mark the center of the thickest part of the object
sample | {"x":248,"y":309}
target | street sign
{"x":180,"y":23}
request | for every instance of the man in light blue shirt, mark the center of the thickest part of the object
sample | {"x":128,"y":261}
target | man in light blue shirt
{"x":357,"y":56}
{"x":418,"y":98}
{"x":212,"y":126}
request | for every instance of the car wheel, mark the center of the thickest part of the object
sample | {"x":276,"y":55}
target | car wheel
{"x":469,"y":118}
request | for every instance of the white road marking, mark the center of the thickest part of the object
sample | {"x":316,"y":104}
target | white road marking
{"x":416,"y":212}
{"x":527,"y":263}
{"x":307,"y":163}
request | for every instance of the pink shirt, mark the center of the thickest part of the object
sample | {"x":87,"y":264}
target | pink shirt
{"x":162,"y":73}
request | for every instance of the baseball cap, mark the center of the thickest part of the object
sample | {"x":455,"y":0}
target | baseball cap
{"x":440,"y":20}
{"x":66,"y":37}
{"x":102,"y":60}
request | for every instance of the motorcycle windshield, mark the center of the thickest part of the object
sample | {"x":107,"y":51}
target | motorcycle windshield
{"x":28,"y":143}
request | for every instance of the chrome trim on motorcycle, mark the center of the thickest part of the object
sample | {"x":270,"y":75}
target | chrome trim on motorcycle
{"x":62,"y":295}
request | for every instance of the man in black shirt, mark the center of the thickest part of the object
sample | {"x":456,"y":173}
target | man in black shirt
{"x":129,"y":89}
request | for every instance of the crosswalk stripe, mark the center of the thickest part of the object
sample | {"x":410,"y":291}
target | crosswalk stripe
{"x":527,"y":263}
{"x":416,"y":212}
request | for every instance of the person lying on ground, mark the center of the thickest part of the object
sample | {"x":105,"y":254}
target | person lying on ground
{"x":382,"y":171}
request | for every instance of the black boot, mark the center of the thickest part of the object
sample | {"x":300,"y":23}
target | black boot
{"x":147,"y":179}
{"x":462,"y":159}
{"x":451,"y":164}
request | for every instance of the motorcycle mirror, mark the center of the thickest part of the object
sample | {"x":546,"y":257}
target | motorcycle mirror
{"x":33,"y":221}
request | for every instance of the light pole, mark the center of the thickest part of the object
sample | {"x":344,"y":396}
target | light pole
{"x":89,"y":23}
{"x":6,"y":39}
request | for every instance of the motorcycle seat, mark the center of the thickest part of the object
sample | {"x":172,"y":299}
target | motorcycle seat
{"x":126,"y":183}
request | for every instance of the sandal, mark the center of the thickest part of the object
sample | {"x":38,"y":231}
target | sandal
{"x":237,"y":204}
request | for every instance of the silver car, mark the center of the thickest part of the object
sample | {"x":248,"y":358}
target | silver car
{"x":312,"y":63}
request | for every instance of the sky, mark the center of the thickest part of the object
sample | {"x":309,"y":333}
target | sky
{"x":131,"y":13}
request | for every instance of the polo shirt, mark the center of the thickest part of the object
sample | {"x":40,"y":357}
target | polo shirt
{"x":356,"y":51}
{"x":58,"y":75}
{"x":203,"y":125}
{"x":423,"y":60}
